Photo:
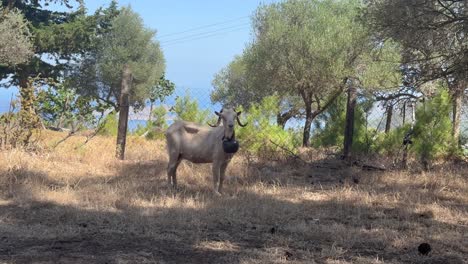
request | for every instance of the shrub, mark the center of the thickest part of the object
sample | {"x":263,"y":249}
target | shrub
{"x":187,"y":109}
{"x":391,"y":143}
{"x":432,"y":131}
{"x":109,"y":125}
{"x":330,"y":126}
{"x":155,"y":128}
{"x":262,"y":130}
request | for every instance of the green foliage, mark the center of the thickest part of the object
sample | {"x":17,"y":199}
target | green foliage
{"x":330,"y":125}
{"x":305,"y":45}
{"x":231,"y":86}
{"x":60,"y":106}
{"x":305,"y":49}
{"x":432,"y":130}
{"x":60,"y":35}
{"x":262,"y":130}
{"x":15,"y":44}
{"x":109,"y":125}
{"x":163,"y":89}
{"x":127,"y":41}
{"x":379,"y":68}
{"x":73,"y":37}
{"x":155,"y":128}
{"x":390,"y":144}
{"x":17,"y":128}
{"x":187,"y":109}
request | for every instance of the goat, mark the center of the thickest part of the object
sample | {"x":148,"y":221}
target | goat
{"x":201,"y":144}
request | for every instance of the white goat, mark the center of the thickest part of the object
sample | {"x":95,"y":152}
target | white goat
{"x":202,"y":144}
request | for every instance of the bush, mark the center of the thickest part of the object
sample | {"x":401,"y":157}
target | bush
{"x":391,"y":143}
{"x":432,"y":131}
{"x":262,"y":130}
{"x":330,"y":126}
{"x":109,"y":125}
{"x":187,"y":109}
{"x":155,"y":128}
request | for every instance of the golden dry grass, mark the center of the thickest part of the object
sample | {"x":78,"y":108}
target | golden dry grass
{"x":80,"y":205}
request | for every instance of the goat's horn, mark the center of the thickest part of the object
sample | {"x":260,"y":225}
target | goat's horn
{"x":217,"y":123}
{"x":239,"y":122}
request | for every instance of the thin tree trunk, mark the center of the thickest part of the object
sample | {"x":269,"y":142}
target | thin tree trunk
{"x":457,"y":98}
{"x":404,"y":113}
{"x":150,"y":116}
{"x":123,"y":113}
{"x":349,"y":128}
{"x":307,"y":125}
{"x":388,"y":124}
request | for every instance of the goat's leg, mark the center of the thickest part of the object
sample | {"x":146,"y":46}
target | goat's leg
{"x":174,"y":161}
{"x":221,"y":175}
{"x":216,"y":171}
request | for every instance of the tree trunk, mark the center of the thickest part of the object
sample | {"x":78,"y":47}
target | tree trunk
{"x":457,"y":98}
{"x":150,"y":116}
{"x":388,"y":124}
{"x":349,"y":128}
{"x":307,"y":125}
{"x":28,"y":119}
{"x":404,"y":113}
{"x":123,"y":112}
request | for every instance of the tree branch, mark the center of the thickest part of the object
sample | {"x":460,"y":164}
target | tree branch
{"x":395,"y":96}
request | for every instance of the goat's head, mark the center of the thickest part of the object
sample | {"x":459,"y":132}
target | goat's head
{"x":229,"y":117}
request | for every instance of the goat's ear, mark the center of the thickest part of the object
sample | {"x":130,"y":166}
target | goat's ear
{"x":216,"y":112}
{"x":238,"y":113}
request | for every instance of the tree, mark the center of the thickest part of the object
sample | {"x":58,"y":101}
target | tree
{"x":15,"y":44}
{"x":57,"y":39}
{"x":309,"y":49}
{"x":233,"y":86}
{"x":124,"y":69}
{"x":127,"y":41}
{"x":434,"y":41}
{"x":432,"y":137}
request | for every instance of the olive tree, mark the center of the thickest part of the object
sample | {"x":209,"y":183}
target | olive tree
{"x":307,"y":48}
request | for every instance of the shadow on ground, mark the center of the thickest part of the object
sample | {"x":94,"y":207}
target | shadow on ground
{"x":241,"y":227}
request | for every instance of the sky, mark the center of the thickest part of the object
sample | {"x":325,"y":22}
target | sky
{"x":198,"y":38}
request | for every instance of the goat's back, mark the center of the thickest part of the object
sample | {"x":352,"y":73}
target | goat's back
{"x":194,"y":142}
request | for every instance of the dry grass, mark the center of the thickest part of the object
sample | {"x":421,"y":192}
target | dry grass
{"x":82,"y":206}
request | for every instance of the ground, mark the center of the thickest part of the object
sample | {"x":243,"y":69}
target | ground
{"x":77,"y":204}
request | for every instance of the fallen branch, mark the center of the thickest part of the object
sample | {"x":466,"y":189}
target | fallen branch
{"x":69,"y":135}
{"x":98,"y":129}
{"x":88,"y":138}
{"x":368,"y":166}
{"x":294,"y":155}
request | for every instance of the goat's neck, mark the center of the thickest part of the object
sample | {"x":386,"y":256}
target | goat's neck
{"x":231,"y":138}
